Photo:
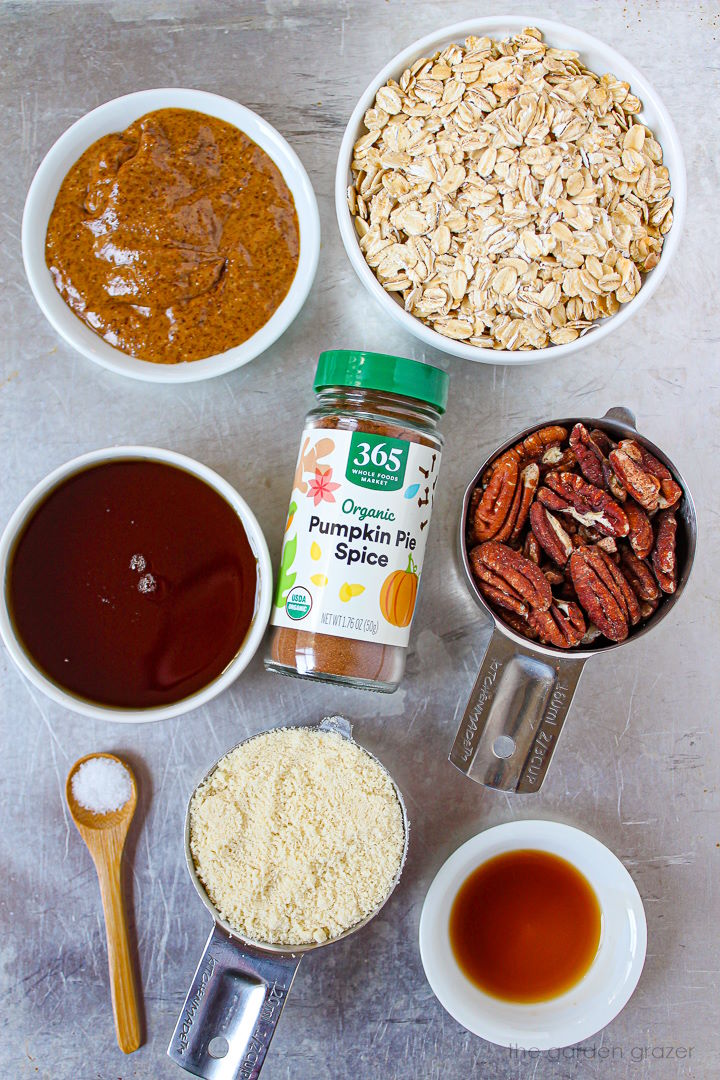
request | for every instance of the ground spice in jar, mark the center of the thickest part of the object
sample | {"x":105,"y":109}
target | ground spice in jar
{"x":358,"y":520}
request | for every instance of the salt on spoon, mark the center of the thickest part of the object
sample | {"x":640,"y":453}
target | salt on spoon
{"x":102,"y":784}
{"x":101,"y":794}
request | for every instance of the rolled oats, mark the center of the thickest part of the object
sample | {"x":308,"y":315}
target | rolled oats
{"x":508,"y":194}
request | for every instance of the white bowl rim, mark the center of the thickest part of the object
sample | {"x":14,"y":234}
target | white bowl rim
{"x":499,"y":26}
{"x":555,"y":837}
{"x":263,"y":595}
{"x":41,"y":198}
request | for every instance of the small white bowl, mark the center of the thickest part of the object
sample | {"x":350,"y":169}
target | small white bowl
{"x":599,"y":58}
{"x":601,"y":993}
{"x":115,"y":116}
{"x":263,"y":592}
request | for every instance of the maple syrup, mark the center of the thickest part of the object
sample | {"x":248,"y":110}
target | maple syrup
{"x":132,"y":584}
{"x":525,"y":926}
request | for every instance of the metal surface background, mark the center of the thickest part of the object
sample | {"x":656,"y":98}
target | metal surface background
{"x":639,"y":761}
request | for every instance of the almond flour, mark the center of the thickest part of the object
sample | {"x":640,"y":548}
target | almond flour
{"x":297,"y":836}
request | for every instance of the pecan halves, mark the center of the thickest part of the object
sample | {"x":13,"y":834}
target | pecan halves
{"x":603,"y":592}
{"x":536,"y":444}
{"x":563,"y":625}
{"x":641,"y":532}
{"x":589,"y":456}
{"x":646,"y":479}
{"x":558,"y":457}
{"x":664,"y":555}
{"x":520,"y":625}
{"x":639,"y":575}
{"x":531,"y":549}
{"x":588,"y":504}
{"x":550,"y":534}
{"x":520,"y":580}
{"x":572,"y":535}
{"x":496,"y":502}
{"x":527,"y":489}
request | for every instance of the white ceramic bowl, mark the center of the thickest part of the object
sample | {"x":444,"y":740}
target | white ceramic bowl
{"x":263,"y":594}
{"x":115,"y":116}
{"x":599,"y":58}
{"x":600,"y":994}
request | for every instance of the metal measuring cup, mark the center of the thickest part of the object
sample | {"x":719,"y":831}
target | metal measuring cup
{"x":523,"y":691}
{"x":240,"y":986}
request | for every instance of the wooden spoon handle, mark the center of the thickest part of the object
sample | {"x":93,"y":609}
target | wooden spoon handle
{"x":122,"y":980}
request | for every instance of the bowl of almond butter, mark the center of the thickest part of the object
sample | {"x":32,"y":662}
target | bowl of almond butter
{"x":503,"y":196}
{"x":170,"y":235}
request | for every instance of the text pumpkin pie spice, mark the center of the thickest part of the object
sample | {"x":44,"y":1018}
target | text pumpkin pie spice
{"x":358,"y":520}
{"x":297,"y":835}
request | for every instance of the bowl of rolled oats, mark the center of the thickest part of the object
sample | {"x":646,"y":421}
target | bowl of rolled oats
{"x":503,"y":196}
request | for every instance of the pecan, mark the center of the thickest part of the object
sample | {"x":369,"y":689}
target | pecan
{"x":664,"y":555}
{"x":608,"y":545}
{"x":604,"y":592}
{"x":518,"y":579}
{"x":552,"y":501}
{"x":495,"y":505}
{"x":590,"y":505}
{"x":646,"y":479}
{"x":531,"y":548}
{"x":529,"y":480}
{"x":554,"y":575}
{"x":558,"y":457}
{"x":589,"y":456}
{"x":550,"y":534}
{"x":639,"y":575}
{"x":602,"y":441}
{"x":641,"y":533}
{"x":612,"y":483}
{"x":587,"y":535}
{"x":496,"y":591}
{"x":563,"y":625}
{"x":591,"y":634}
{"x":648,"y":607}
{"x":519,"y":625}
{"x":510,"y":455}
{"x":536,"y":444}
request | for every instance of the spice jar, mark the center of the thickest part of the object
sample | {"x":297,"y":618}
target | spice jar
{"x":358,"y":520}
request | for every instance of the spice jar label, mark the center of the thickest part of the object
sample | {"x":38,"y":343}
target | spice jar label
{"x":355,"y":535}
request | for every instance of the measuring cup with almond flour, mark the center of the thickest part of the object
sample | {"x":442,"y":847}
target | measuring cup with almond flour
{"x":241,"y":983}
{"x":525,"y":685}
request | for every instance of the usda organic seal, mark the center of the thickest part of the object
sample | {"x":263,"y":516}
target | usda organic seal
{"x":298,"y":604}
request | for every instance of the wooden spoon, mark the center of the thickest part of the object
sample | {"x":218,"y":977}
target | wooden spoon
{"x":105,"y":836}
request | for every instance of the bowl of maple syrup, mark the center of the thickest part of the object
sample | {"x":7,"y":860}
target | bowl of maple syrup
{"x":533,"y":935}
{"x":136,"y":584}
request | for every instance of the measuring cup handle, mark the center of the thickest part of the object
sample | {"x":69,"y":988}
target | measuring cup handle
{"x":231,"y":1010}
{"x":514,"y":717}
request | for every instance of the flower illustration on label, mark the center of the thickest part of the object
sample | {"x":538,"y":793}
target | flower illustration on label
{"x":320,"y":489}
{"x":309,"y":460}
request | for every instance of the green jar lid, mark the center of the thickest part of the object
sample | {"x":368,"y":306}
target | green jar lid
{"x":380,"y":371}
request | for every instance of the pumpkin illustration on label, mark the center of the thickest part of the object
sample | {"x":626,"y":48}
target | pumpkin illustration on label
{"x":398,"y":595}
